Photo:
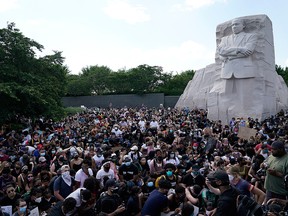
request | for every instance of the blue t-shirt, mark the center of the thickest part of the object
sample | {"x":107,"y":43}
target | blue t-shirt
{"x":64,"y":189}
{"x":155,"y":204}
{"x":243,"y":187}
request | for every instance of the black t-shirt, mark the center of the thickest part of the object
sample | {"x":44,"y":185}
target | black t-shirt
{"x":226,"y":205}
{"x":128,"y":171}
{"x":108,"y":203}
{"x":56,"y":210}
{"x":6,"y":201}
{"x":189,"y":180}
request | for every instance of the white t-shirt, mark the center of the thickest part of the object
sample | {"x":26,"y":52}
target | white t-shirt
{"x":98,"y":160}
{"x":154,"y":124}
{"x":81,"y":176}
{"x":118,"y":132}
{"x":76,"y":195}
{"x":172,"y":161}
{"x":101,"y":174}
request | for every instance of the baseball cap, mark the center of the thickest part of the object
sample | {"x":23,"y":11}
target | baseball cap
{"x":126,"y":158}
{"x":134,"y":148}
{"x":42,"y":159}
{"x":219,"y":175}
{"x":278,"y":145}
{"x":111,"y":183}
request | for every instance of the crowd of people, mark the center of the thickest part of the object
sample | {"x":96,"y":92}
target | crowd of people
{"x":144,"y":161}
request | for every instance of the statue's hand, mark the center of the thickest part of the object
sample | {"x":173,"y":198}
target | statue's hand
{"x":244,"y":51}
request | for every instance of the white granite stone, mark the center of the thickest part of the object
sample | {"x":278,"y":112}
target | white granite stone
{"x":242,"y":82}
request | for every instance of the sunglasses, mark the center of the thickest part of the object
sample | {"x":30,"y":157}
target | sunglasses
{"x":11,"y":191}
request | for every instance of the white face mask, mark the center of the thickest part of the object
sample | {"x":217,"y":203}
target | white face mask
{"x":231,"y":177}
{"x":38,"y":200}
{"x":66,"y":174}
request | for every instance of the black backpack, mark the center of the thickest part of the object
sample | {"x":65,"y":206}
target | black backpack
{"x":247,"y":206}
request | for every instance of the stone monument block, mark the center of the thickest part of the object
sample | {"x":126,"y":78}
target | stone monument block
{"x":242,"y":82}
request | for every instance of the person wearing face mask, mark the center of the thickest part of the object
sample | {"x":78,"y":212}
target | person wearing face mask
{"x":134,"y":154}
{"x":43,"y":153}
{"x":148,"y":187}
{"x":35,"y":197}
{"x":10,"y":197}
{"x":105,"y":171}
{"x":109,"y":202}
{"x":157,"y":164}
{"x":243,"y":186}
{"x":157,"y":201}
{"x":57,"y":164}
{"x":116,"y":131}
{"x":21,"y":206}
{"x":171,"y":158}
{"x":169,"y":175}
{"x":219,"y":183}
{"x":64,"y":184}
{"x":83,"y":173}
{"x":76,"y":162}
{"x":97,"y":159}
{"x":194,"y":177}
{"x":128,"y":171}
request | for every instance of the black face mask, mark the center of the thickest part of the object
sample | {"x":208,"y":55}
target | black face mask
{"x":106,"y":168}
{"x":160,"y":158}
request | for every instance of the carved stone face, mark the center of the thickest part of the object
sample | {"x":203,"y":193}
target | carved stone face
{"x":237,"y":26}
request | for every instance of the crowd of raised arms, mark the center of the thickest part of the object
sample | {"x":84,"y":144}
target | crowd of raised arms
{"x":144,"y":161}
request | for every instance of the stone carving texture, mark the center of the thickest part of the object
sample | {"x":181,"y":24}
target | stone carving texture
{"x":242,"y":82}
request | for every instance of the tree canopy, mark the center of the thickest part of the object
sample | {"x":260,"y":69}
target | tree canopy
{"x":99,"y":80}
{"x":29,"y":85}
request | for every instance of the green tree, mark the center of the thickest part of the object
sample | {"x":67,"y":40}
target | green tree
{"x":175,"y":84}
{"x":77,"y":86}
{"x":96,"y":79}
{"x":29,"y":85}
{"x":120,"y":82}
{"x":282,"y":72}
{"x":145,"y":78}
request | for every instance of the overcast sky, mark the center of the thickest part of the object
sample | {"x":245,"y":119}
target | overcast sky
{"x":178,"y":35}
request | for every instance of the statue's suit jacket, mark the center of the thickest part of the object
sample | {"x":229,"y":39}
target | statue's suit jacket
{"x":234,"y":63}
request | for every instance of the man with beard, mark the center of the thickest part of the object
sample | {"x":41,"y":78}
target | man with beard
{"x":276,"y":165}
